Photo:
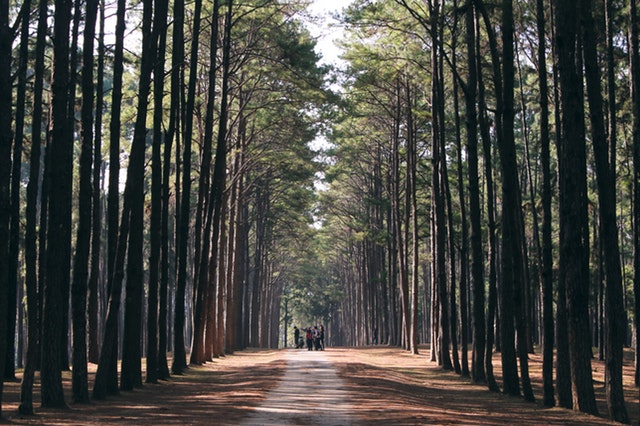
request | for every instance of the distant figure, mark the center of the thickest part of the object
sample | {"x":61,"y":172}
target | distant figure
{"x":316,"y":338}
{"x":321,"y":337}
{"x":296,"y":336}
{"x":309,"y":339}
{"x":375,"y":335}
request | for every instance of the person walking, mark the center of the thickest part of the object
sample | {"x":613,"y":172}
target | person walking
{"x":296,"y":337}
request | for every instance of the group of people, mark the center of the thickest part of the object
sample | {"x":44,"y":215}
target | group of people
{"x":313,"y":338}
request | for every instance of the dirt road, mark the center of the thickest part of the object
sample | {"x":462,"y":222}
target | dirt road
{"x":309,"y":393}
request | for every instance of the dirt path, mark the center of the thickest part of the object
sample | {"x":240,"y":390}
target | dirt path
{"x":310,"y":392}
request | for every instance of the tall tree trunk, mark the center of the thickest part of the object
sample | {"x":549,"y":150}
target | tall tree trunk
{"x":180,"y":357}
{"x":31,"y":249}
{"x":220,"y":172}
{"x":80,"y":379}
{"x":605,"y":174}
{"x":477,"y":257}
{"x":59,"y":225}
{"x":574,"y":233}
{"x":160,"y":37}
{"x":95,"y":277}
{"x":5,"y":174}
{"x":203,"y":241}
{"x":413,"y":209}
{"x":177,"y":59}
{"x":113,"y":205}
{"x":547,"y":247}
{"x":464,"y":244}
{"x":492,"y":299}
{"x":14,"y":226}
{"x":131,"y":374}
{"x":635,"y":95}
{"x":512,"y":257}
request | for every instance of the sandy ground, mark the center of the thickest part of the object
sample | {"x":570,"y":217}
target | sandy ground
{"x":364,"y":386}
{"x":309,"y":393}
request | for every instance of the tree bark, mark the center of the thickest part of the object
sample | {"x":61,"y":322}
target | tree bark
{"x":31,"y":249}
{"x":574,"y":233}
{"x":605,"y":174}
{"x":477,"y":257}
{"x":59,"y":225}
{"x":5,"y":174}
{"x":547,"y":244}
{"x":160,"y":38}
{"x":80,"y":378}
{"x":635,"y":95}
{"x":14,"y":226}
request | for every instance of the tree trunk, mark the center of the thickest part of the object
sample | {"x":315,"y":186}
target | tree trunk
{"x":80,"y":379}
{"x":160,"y":37}
{"x":131,"y":374}
{"x":464,"y":244}
{"x":201,"y":351}
{"x":635,"y":95}
{"x":492,"y":299}
{"x":59,"y":226}
{"x":110,"y":384}
{"x":180,"y":357}
{"x":14,"y":226}
{"x":477,"y":267}
{"x":605,"y":174}
{"x":547,"y":245}
{"x":5,"y":174}
{"x":95,"y":277}
{"x":513,"y":300}
{"x":574,"y":261}
{"x":31,"y":249}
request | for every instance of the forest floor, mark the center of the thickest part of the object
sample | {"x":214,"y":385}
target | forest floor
{"x":381,"y":385}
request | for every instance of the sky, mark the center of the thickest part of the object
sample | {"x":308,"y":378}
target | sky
{"x":327,"y":32}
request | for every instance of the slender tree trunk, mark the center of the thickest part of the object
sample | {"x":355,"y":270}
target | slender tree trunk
{"x":605,"y":174}
{"x":547,"y":247}
{"x":574,"y":233}
{"x":513,"y":289}
{"x":95,"y":281}
{"x":635,"y":95}
{"x":180,"y":357}
{"x":131,"y":374}
{"x":80,"y":379}
{"x":492,"y":299}
{"x":31,"y":249}
{"x":412,"y":159}
{"x":177,"y":59}
{"x":464,"y":244}
{"x":477,"y":267}
{"x":113,"y":205}
{"x":200,"y":352}
{"x":5,"y":174}
{"x":160,"y":37}
{"x":58,"y":229}
{"x":14,"y":226}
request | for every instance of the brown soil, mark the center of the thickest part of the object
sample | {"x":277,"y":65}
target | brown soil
{"x":386,"y":386}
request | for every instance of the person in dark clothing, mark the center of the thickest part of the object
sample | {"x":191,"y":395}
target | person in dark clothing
{"x":296,"y":336}
{"x":375,"y":335}
{"x":309,"y":339}
{"x":316,"y":338}
{"x":321,"y":337}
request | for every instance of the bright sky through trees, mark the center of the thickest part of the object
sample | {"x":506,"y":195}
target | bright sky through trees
{"x":326,"y":28}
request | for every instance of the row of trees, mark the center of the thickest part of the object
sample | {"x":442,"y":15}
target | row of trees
{"x":156,"y":184}
{"x":486,"y":187}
